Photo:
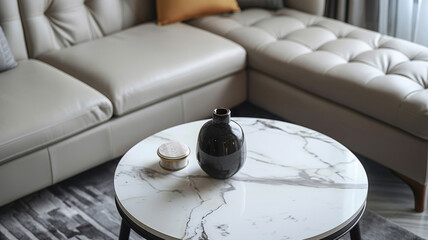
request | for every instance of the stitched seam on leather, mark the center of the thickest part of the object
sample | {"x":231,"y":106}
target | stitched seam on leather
{"x":410,"y":130}
{"x":328,"y":70}
{"x":110,"y":135}
{"x":369,"y":64}
{"x":423,"y":84}
{"x":50,"y":164}
{"x":50,"y":142}
{"x":302,"y":43}
{"x":52,"y":126}
{"x":300,"y":55}
{"x":256,"y":22}
{"x":390,"y":48}
{"x":288,"y":34}
{"x":183,"y":118}
{"x":349,"y":33}
{"x":395,"y":120}
{"x":407,"y":95}
{"x":364,"y":95}
{"x":414,"y":114}
{"x":9,"y":20}
{"x":417,"y":55}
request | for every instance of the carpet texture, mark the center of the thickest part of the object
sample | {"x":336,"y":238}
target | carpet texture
{"x":83,"y":207}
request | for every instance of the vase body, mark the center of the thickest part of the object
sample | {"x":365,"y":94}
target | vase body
{"x":221,"y":149}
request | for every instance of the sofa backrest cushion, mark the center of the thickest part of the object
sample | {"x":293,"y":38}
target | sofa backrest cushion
{"x":55,"y":24}
{"x":10,"y":21}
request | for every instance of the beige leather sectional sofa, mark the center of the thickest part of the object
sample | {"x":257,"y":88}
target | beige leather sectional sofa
{"x":95,"y":77}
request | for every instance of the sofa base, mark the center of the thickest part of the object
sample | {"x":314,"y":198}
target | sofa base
{"x":24,"y":175}
{"x":387,"y":145}
{"x":112,"y":139}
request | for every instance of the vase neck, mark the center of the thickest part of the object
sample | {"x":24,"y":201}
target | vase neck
{"x":221,"y":115}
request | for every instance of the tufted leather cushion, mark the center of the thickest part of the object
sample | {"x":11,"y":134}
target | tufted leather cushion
{"x":148,"y":63}
{"x":40,"y":105}
{"x":55,"y":24}
{"x":380,"y":76}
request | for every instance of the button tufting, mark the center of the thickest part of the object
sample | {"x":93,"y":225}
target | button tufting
{"x":356,"y":62}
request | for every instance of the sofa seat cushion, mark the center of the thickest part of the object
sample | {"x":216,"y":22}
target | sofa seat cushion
{"x":379,"y":76}
{"x":149,"y":63}
{"x":40,"y":105}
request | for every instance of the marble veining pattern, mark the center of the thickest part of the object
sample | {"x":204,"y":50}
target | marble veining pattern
{"x":296,"y":184}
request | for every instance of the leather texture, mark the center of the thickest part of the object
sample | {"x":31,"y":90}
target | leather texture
{"x":131,"y":128}
{"x":41,"y":105}
{"x":387,"y":145}
{"x":193,"y":105}
{"x":230,"y":91}
{"x":316,"y":7}
{"x":113,"y":138}
{"x":55,"y":24}
{"x":80,"y":152}
{"x":148,"y":63}
{"x":380,"y":76}
{"x":24,"y":175}
{"x":10,"y":21}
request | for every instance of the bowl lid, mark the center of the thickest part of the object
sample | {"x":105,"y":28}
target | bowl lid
{"x":173,"y":151}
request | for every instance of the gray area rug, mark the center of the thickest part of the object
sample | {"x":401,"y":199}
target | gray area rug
{"x":83,"y":207}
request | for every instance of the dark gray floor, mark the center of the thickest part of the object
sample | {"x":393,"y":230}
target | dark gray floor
{"x":83,"y":207}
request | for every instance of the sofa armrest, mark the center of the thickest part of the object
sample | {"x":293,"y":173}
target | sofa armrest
{"x":316,"y":7}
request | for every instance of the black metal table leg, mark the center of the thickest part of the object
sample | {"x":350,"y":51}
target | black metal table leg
{"x":124,"y":231}
{"x":355,"y":232}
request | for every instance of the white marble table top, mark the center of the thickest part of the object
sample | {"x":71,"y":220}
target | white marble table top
{"x":295,"y":184}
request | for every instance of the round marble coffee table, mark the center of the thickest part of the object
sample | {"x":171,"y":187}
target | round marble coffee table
{"x":296,"y":184}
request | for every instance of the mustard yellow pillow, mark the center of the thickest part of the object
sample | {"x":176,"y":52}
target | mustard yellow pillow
{"x":170,"y":11}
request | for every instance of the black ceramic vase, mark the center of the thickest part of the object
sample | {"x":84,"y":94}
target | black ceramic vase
{"x":221,"y":149}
